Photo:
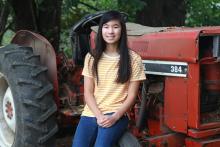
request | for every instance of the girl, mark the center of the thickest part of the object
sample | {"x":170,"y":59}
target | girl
{"x":112,"y":74}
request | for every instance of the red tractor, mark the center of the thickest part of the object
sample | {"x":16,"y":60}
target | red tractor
{"x":178,"y":105}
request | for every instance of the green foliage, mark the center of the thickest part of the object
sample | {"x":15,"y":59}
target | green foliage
{"x":131,"y":7}
{"x":2,"y":2}
{"x":203,"y":12}
{"x":7,"y":37}
{"x":74,"y":10}
{"x":65,"y":44}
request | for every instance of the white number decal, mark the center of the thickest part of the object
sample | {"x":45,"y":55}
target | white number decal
{"x":176,"y":69}
{"x":144,"y":65}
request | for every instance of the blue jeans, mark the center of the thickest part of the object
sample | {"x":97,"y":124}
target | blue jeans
{"x":90,"y":134}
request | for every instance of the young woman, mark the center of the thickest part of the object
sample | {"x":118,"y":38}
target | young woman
{"x":112,"y":74}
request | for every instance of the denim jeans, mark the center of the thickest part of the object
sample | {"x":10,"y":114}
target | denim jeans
{"x":90,"y":134}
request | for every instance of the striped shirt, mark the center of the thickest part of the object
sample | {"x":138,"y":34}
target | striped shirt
{"x":109,"y":94}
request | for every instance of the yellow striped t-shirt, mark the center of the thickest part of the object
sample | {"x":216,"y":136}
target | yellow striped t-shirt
{"x":108,"y":94}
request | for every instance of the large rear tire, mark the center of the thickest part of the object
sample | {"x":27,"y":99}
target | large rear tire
{"x":27,"y":108}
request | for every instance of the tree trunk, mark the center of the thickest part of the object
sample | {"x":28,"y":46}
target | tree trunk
{"x":162,"y":13}
{"x":25,"y":14}
{"x":49,"y":22}
{"x":43,"y":17}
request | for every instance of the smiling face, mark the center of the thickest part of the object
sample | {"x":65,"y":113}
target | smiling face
{"x":111,"y":32}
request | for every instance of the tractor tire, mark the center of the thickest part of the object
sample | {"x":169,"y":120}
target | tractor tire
{"x":128,"y":140}
{"x":27,"y":108}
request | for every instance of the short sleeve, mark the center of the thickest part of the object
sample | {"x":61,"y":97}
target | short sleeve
{"x":137,"y":70}
{"x":87,"y":69}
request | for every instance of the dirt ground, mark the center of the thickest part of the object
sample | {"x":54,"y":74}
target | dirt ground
{"x":64,"y":141}
{"x":64,"y":137}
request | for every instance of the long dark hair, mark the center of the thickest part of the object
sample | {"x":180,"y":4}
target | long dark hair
{"x":124,"y":71}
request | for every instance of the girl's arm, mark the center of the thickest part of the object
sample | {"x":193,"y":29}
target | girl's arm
{"x":90,"y":99}
{"x":132,"y":93}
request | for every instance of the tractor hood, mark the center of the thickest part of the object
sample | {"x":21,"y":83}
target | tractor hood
{"x":166,"y":43}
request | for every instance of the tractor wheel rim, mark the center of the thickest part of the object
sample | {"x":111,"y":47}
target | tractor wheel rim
{"x":7,"y":114}
{"x":9,"y":109}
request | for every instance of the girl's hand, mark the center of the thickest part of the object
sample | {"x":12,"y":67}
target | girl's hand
{"x":100,"y":119}
{"x":108,"y":120}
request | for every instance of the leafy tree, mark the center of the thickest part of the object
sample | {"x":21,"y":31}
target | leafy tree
{"x":44,"y":16}
{"x":203,"y":12}
{"x":162,"y":13}
{"x":41,"y":16}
